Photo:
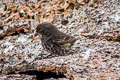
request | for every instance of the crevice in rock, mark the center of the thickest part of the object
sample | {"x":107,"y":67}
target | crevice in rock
{"x":40,"y":75}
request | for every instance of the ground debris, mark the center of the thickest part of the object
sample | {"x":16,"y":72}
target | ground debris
{"x":16,"y":27}
{"x":17,"y":77}
{"x":106,"y":35}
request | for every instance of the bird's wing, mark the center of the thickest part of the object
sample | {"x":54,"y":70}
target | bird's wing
{"x":64,"y":39}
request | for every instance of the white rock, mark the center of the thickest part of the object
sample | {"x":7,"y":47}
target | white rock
{"x":100,"y":31}
{"x":1,"y":31}
{"x":21,"y":39}
{"x":116,"y":17}
{"x":87,"y":54}
{"x":29,"y":59}
{"x":106,"y":25}
{"x":102,"y":12}
{"x":8,"y":49}
{"x":81,"y":30}
{"x":22,"y":11}
{"x":7,"y":43}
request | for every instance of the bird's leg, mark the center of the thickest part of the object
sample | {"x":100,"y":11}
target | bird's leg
{"x":40,"y":56}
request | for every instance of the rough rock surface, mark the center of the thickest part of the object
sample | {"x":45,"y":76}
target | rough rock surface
{"x":96,"y":25}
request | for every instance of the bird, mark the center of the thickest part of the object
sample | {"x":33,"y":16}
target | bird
{"x":53,"y":40}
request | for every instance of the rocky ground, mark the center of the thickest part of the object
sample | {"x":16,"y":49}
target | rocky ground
{"x":94,"y":23}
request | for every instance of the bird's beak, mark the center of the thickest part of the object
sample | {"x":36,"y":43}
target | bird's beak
{"x":37,"y":36}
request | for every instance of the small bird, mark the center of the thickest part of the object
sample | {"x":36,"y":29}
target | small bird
{"x":53,"y":40}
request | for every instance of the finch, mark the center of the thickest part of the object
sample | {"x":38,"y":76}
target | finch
{"x":53,"y":40}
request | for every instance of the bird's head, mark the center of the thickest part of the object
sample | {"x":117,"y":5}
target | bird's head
{"x":45,"y":29}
